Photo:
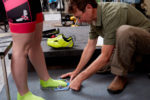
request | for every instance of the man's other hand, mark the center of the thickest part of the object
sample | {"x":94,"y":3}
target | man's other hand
{"x":72,"y":75}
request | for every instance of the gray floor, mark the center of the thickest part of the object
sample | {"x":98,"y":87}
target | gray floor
{"x":95,"y":88}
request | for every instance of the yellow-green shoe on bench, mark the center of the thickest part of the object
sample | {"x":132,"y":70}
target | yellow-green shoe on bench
{"x":60,"y":42}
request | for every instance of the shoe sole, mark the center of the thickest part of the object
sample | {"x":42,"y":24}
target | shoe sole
{"x":114,"y":92}
{"x":43,"y":88}
{"x":118,"y":91}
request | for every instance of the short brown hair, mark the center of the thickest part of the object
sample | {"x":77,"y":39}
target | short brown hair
{"x":80,"y":4}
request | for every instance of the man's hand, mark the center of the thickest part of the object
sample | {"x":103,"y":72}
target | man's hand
{"x":72,"y":75}
{"x":75,"y":84}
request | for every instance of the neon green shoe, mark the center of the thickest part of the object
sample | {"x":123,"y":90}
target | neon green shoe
{"x":28,"y":96}
{"x":55,"y":38}
{"x":51,"y":83}
{"x":60,"y":42}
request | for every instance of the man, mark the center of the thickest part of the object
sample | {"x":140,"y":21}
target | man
{"x":125,"y":31}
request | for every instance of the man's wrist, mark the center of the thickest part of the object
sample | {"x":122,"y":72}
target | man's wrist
{"x":82,"y":76}
{"x":76,"y":71}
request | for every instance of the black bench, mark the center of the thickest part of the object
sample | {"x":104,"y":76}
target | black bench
{"x":66,"y":56}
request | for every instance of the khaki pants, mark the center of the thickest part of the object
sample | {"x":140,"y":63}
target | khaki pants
{"x":130,"y":42}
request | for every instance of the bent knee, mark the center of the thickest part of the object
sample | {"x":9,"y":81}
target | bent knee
{"x":124,"y":31}
{"x":20,"y":51}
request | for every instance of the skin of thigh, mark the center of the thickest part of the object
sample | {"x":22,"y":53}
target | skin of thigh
{"x":37,"y":35}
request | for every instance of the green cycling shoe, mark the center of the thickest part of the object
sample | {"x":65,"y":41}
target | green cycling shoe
{"x":51,"y":83}
{"x":55,"y":38}
{"x":60,"y":42}
{"x":29,"y":96}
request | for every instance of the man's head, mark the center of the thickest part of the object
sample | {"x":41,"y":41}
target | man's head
{"x":83,"y":9}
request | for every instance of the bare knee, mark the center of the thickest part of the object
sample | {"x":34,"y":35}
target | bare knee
{"x":20,"y":51}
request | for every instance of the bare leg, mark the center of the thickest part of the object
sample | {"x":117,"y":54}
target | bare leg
{"x":36,"y":55}
{"x":21,"y":45}
{"x":29,"y":44}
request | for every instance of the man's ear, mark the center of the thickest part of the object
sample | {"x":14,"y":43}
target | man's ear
{"x":88,"y":6}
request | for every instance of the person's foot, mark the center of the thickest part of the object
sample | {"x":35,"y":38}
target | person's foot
{"x":117,"y":85}
{"x":51,"y":83}
{"x":28,"y":96}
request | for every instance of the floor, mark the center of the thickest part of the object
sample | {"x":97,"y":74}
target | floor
{"x":95,"y":88}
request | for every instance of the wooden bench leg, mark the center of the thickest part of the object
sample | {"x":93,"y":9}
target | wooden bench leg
{"x":5,"y":77}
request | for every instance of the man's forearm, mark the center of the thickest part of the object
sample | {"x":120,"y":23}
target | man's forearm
{"x":86,"y":55}
{"x":93,"y":68}
{"x":100,"y":62}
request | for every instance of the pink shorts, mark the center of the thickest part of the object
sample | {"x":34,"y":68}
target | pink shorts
{"x":23,"y":15}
